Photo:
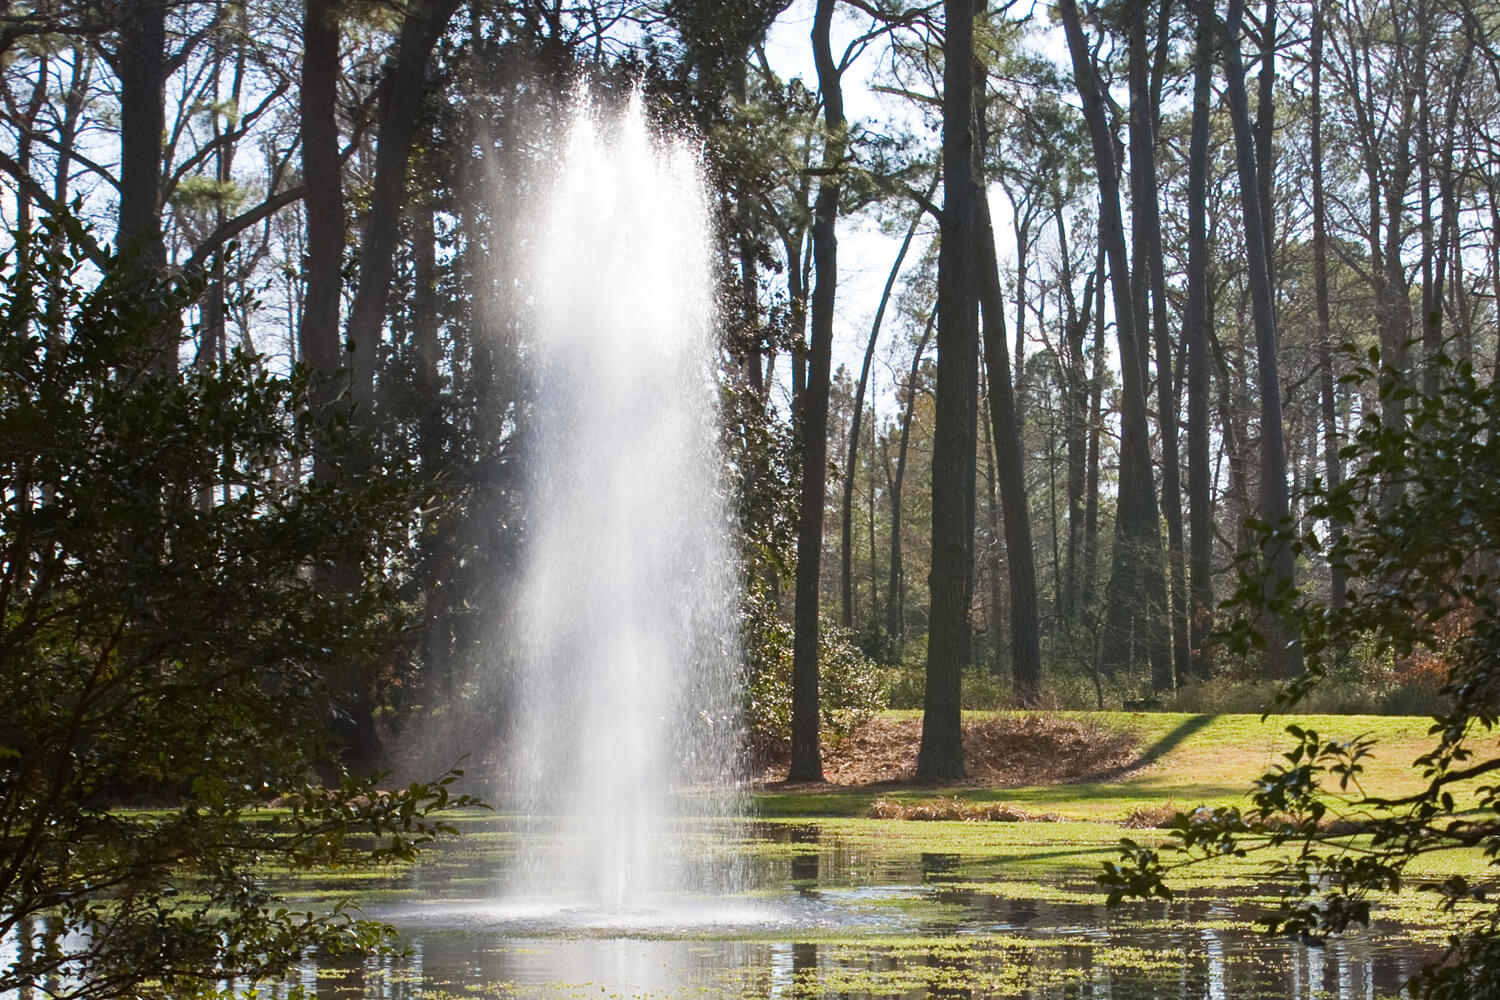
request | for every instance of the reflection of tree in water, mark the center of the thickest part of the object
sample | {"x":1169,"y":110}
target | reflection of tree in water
{"x":804,"y":962}
{"x":340,"y":979}
{"x":805,"y":863}
{"x":1020,"y":912}
{"x":38,"y":945}
{"x":938,"y":867}
{"x":1056,"y":945}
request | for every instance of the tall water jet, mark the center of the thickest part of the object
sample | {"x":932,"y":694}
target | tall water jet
{"x":627,"y":687}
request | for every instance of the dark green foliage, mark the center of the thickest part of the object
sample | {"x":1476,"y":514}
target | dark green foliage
{"x":851,"y":688}
{"x":166,"y":626}
{"x":716,"y":36}
{"x":1422,"y":576}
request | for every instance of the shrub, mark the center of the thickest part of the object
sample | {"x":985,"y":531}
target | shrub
{"x":851,"y":688}
{"x":958,"y":810}
{"x":164,"y":634}
{"x":1421,"y":549}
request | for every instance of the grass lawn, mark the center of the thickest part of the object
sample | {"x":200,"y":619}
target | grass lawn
{"x":1185,"y":759}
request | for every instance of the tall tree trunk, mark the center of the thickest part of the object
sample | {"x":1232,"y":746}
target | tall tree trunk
{"x":318,"y":326}
{"x":1283,"y":657}
{"x":67,"y":129}
{"x":1462,"y":305}
{"x":1448,"y":188}
{"x":895,"y":625}
{"x":1076,"y":379}
{"x":994,"y":527}
{"x":807,"y":757}
{"x":435,"y":567}
{"x":940,"y":756}
{"x":1150,"y":265}
{"x":1090,"y":544}
{"x":1431,"y":332}
{"x":1026,"y":656}
{"x":1023,"y":248}
{"x":1493,"y":192}
{"x":754,"y":340}
{"x":1265,"y":135}
{"x":1333,"y":471}
{"x":846,"y":571}
{"x":26,"y":122}
{"x":400,"y":106}
{"x":875,"y":619}
{"x":797,"y":263}
{"x":141,"y":65}
{"x":1195,"y":332}
{"x":1395,"y":353}
{"x":1136,"y":578}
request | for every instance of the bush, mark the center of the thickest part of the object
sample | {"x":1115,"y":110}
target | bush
{"x":1386,"y":691}
{"x":980,"y":690}
{"x":1421,"y":549}
{"x":851,"y":688}
{"x":164,"y":636}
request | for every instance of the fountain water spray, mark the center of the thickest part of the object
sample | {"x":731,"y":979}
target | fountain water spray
{"x":628,"y":685}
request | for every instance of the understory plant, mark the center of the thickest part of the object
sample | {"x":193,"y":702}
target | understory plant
{"x":175,"y":592}
{"x":851,"y":687}
{"x":1420,"y":543}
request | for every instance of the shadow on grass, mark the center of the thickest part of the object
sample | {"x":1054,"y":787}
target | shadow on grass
{"x":1156,"y":751}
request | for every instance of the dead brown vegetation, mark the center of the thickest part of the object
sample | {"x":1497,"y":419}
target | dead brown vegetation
{"x":1002,"y":751}
{"x":957,"y":809}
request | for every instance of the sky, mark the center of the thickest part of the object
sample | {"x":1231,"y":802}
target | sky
{"x":866,"y":253}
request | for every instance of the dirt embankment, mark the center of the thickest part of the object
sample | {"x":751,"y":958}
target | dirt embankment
{"x":1005,"y":751}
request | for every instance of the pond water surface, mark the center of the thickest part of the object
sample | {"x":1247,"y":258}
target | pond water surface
{"x":823,"y":912}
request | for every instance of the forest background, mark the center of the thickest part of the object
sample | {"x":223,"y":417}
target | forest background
{"x":1188,"y":239}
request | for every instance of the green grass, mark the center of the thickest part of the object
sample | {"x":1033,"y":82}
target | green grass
{"x":919,"y":936}
{"x":1183,"y":758}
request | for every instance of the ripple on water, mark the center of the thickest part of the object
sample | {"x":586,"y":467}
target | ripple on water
{"x":672,"y":919}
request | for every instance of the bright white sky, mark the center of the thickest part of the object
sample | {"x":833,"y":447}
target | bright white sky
{"x":865,"y":253}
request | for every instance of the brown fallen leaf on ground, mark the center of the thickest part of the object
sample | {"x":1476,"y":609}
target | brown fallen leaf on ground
{"x":1003,"y":751}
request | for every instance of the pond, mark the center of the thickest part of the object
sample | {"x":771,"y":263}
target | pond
{"x":864,"y":909}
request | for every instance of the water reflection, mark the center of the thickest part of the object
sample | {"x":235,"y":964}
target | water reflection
{"x":557,"y":968}
{"x":836,"y":921}
{"x":939,"y":867}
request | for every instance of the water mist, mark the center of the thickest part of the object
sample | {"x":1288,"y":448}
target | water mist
{"x":628,"y":683}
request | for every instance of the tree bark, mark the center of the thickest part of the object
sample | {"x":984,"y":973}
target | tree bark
{"x":1137,"y":589}
{"x":1077,"y":436}
{"x":435,"y":568}
{"x":1332,"y":466}
{"x":1089,"y":585}
{"x":1448,"y":191}
{"x":1026,"y":656}
{"x":318,"y":326}
{"x":26,"y":118}
{"x":67,"y":128}
{"x":940,"y":756}
{"x":1195,"y":331}
{"x":1150,"y":266}
{"x":1283,"y":657}
{"x":895,"y":608}
{"x":807,"y":757}
{"x":400,"y":107}
{"x":1265,"y":135}
{"x":140,"y":62}
{"x":846,"y":571}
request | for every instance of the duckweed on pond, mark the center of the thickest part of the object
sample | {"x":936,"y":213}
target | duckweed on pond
{"x":865,"y":908}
